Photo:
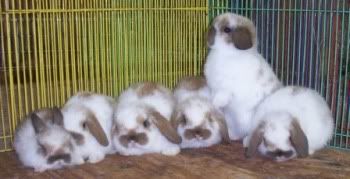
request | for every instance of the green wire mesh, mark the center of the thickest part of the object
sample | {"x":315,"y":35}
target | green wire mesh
{"x":307,"y":43}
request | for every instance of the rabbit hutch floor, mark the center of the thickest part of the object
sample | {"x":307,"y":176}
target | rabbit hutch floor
{"x":221,"y":161}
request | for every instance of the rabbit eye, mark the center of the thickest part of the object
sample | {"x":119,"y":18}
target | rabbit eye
{"x":146,"y":124}
{"x":227,"y":30}
{"x":184,"y":120}
{"x":84,"y":125}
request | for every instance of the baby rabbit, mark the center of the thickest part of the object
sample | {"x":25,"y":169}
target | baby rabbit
{"x":237,"y":75}
{"x":42,"y":143}
{"x":293,"y":121}
{"x":197,"y":121}
{"x":142,"y":121}
{"x":89,"y":115}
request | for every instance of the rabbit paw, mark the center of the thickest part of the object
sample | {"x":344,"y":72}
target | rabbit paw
{"x":171,"y":151}
{"x":96,"y":158}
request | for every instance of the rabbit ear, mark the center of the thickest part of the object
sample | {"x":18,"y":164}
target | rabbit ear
{"x":57,"y":116}
{"x":38,"y":124}
{"x":255,"y":140}
{"x":211,"y":35}
{"x":242,"y":38}
{"x":220,"y":119}
{"x":298,"y":139}
{"x":165,"y":127}
{"x":176,"y":118}
{"x":96,"y":129}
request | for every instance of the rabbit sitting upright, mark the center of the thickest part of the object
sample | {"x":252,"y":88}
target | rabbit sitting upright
{"x":238,"y":76}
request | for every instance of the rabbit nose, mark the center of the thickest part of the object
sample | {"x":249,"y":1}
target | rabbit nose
{"x":132,"y":138}
{"x":198,"y":133}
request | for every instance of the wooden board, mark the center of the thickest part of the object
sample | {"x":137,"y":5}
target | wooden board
{"x":222,"y":161}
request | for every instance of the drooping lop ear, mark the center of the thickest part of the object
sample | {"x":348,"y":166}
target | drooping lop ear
{"x":57,"y":116}
{"x":165,"y":127}
{"x":298,"y":139}
{"x":255,"y":140}
{"x":211,"y":35}
{"x":96,"y":130}
{"x":38,"y":124}
{"x":242,"y":38}
{"x":176,"y":118}
{"x":220,"y":119}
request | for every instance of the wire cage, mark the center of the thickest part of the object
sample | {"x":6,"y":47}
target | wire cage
{"x":50,"y":49}
{"x":307,"y":43}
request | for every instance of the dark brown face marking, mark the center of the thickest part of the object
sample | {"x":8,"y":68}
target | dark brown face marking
{"x":279,"y":153}
{"x":242,"y":38}
{"x":79,"y":139}
{"x":192,"y":83}
{"x":139,"y":138}
{"x":65,"y":157}
{"x":197,"y":132}
{"x":146,"y":89}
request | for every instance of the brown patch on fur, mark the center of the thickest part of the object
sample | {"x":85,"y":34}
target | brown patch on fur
{"x":242,"y":38}
{"x":146,"y":89}
{"x":65,"y":157}
{"x":165,"y":127}
{"x":192,"y":83}
{"x":255,"y":141}
{"x":197,"y":132}
{"x":95,"y":129}
{"x":79,"y":139}
{"x":279,"y":153}
{"x":299,"y":139}
{"x":140,"y":138}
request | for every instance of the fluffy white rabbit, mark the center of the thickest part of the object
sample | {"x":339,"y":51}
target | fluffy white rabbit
{"x":142,"y":121}
{"x":293,"y":121}
{"x":42,"y":143}
{"x":89,"y":115}
{"x":196,"y":120}
{"x":237,"y":75}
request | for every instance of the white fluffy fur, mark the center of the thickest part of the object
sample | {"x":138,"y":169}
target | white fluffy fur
{"x":306,"y":106}
{"x":26,"y":144}
{"x":238,"y":79}
{"x":195,"y":104}
{"x":74,"y":112}
{"x":129,"y":106}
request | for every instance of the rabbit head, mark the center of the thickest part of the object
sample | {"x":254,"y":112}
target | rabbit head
{"x":87,"y":126}
{"x":232,"y":32}
{"x":139,"y":129}
{"x":279,"y":137}
{"x":199,"y":124}
{"x":55,"y":142}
